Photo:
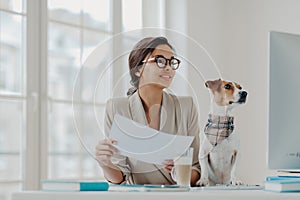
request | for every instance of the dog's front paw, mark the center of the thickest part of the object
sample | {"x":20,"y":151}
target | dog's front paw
{"x":203,"y":182}
{"x":236,"y":182}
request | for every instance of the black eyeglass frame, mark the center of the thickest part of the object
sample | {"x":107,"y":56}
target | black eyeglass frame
{"x":155,"y":58}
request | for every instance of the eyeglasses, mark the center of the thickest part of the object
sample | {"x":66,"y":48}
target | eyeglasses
{"x":162,"y":62}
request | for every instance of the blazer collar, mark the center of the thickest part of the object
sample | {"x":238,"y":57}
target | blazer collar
{"x":167,"y":111}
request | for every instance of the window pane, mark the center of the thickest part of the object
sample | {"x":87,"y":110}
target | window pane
{"x":65,"y":11}
{"x":63,"y":61}
{"x":13,"y":5}
{"x":11,"y":125}
{"x":11,"y":131}
{"x":7,"y":188}
{"x":62,"y":135}
{"x":91,"y":169}
{"x":92,"y":126}
{"x":64,"y":166}
{"x":89,"y":121}
{"x":96,"y":14}
{"x":68,"y":159}
{"x":91,"y":40}
{"x":93,"y":79}
{"x":131,"y":14}
{"x":64,"y":146}
{"x":10,"y":167}
{"x":79,"y":166}
{"x":103,"y":88}
{"x":12,"y":61}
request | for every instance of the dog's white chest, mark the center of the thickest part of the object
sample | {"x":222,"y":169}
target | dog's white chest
{"x":218,"y":161}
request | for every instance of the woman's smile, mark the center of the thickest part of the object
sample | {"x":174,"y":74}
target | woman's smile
{"x":167,"y":77}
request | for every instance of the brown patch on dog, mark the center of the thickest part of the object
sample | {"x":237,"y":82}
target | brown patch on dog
{"x":238,"y":86}
{"x":223,"y":91}
{"x":233,"y":158}
{"x":228,"y":88}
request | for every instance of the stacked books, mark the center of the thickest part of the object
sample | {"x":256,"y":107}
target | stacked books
{"x":285,"y":181}
{"x":73,"y":185}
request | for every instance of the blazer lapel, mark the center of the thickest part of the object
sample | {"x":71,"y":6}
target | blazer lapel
{"x":168,"y":115}
{"x":137,"y":109}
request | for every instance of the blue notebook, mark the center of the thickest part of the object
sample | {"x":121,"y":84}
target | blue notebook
{"x":74,"y":185}
{"x":276,"y":178}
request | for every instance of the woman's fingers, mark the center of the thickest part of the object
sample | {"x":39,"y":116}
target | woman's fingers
{"x":168,"y":165}
{"x":101,"y":148}
{"x":106,"y":145}
{"x":107,"y":153}
{"x":104,"y":151}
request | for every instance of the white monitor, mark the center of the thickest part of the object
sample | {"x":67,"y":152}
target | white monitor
{"x":284,"y":102}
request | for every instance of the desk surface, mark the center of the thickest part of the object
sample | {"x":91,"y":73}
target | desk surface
{"x":207,"y":195}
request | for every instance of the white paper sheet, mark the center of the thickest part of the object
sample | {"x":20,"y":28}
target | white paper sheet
{"x":146,"y":144}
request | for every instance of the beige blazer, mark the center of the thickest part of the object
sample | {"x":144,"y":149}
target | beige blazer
{"x":178,"y":116}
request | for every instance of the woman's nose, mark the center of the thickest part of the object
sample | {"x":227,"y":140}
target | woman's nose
{"x":168,"y":67}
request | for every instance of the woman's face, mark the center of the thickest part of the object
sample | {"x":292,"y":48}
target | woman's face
{"x":151,"y":74}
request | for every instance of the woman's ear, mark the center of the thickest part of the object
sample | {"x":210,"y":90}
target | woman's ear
{"x":138,"y":73}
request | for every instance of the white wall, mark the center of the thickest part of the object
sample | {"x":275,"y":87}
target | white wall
{"x":235,"y":33}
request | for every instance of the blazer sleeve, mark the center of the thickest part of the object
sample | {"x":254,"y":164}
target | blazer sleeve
{"x":118,"y":160}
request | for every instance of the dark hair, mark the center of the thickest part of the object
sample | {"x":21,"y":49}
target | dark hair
{"x":135,"y":61}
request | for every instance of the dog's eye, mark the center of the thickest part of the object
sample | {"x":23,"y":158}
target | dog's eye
{"x":240,"y":88}
{"x":227,"y":86}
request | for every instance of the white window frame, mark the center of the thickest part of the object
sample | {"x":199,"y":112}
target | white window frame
{"x":35,"y":163}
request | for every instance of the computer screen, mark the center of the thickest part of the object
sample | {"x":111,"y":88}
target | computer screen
{"x":284,"y":102}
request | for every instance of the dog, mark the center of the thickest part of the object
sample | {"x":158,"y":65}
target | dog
{"x":219,"y":146}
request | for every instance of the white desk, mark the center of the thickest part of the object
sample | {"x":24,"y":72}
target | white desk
{"x":198,"y":195}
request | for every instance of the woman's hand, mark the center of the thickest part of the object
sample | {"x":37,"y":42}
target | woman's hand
{"x":168,"y":165}
{"x":104,"y":152}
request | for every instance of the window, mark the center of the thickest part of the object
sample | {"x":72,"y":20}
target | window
{"x":12,"y":93}
{"x":73,"y":30}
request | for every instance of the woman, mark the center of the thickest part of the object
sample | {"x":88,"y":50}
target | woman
{"x":152,"y":67}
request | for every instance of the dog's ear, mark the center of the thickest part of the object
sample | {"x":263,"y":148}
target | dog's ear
{"x":213,"y":85}
{"x":207,"y":84}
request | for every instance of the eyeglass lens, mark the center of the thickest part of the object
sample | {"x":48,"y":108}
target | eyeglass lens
{"x":162,"y":62}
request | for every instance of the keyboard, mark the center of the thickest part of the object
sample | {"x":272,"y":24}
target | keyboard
{"x":229,"y":187}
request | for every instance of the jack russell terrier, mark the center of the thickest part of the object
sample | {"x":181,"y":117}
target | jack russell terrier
{"x":219,"y":146}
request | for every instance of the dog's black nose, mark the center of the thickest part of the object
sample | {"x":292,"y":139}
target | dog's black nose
{"x":243,"y":94}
